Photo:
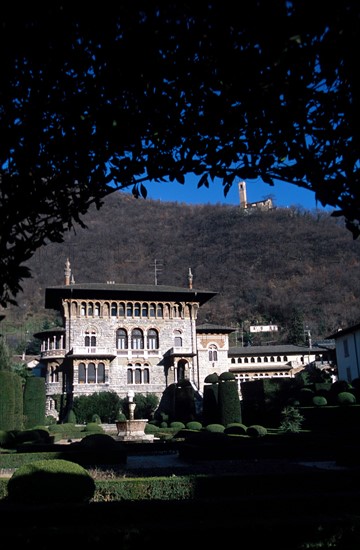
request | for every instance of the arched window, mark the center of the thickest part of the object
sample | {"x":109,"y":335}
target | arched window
{"x":130,"y":379}
{"x":129,"y":309}
{"x":252,"y":360}
{"x":137,"y":376}
{"x":113,"y":309}
{"x":82,"y":373}
{"x":83,"y":309}
{"x":101,"y":373}
{"x":137,"y":339}
{"x":159,"y":310}
{"x":137,"y":310}
{"x":121,"y":309}
{"x":90,"y":339}
{"x":181,"y":370}
{"x":177,"y":339}
{"x":213,"y":354}
{"x":91,"y":373}
{"x":145,"y":310}
{"x":121,"y":339}
{"x":90,"y":309}
{"x":152,"y":310}
{"x":97,"y":309}
{"x":146,"y":376}
{"x":233,"y":360}
{"x":259,"y":359}
{"x":152,"y":339}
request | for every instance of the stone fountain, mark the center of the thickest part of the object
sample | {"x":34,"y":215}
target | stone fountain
{"x":132,"y":429}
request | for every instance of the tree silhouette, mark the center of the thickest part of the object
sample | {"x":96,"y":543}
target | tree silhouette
{"x":93,"y":100}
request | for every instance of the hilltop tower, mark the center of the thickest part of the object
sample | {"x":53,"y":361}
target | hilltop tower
{"x":242,"y":194}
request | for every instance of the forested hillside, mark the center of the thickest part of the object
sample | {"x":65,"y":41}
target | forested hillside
{"x":265,"y":266}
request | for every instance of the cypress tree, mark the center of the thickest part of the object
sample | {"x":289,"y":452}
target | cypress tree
{"x":34,"y":402}
{"x":7,"y":400}
{"x":229,"y":402}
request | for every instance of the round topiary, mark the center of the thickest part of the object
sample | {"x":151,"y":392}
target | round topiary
{"x":94,"y":428}
{"x":215,"y":428}
{"x":211,"y":378}
{"x":236,"y":428}
{"x":256,"y":431}
{"x":177,"y":425}
{"x":151,"y":428}
{"x":103,"y":441}
{"x":194,"y":425}
{"x":96,"y":418}
{"x":51,"y":481}
{"x":345,"y":398}
{"x":319,"y":401}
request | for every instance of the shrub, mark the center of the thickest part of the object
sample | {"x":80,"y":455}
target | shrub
{"x":236,"y":428}
{"x":256,"y":431}
{"x":319,"y":401}
{"x":96,"y":418}
{"x":95,"y":441}
{"x":194,"y":425}
{"x":291,"y":420}
{"x":163,"y":424}
{"x":177,"y":425}
{"x":225,"y":376}
{"x":345,"y":398}
{"x":151,"y":428}
{"x":211,"y":378}
{"x":51,"y":481}
{"x":93,"y":427}
{"x":215,"y":428}
{"x":7,"y":438}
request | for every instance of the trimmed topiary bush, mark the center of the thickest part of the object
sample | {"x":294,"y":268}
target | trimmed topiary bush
{"x":227,"y":376}
{"x":177,"y":425}
{"x":215,"y":428}
{"x":51,"y":481}
{"x":256,"y":431}
{"x":345,"y":398}
{"x":97,"y":441}
{"x":194,"y":425}
{"x":93,"y":428}
{"x":211,"y":378}
{"x":151,"y":428}
{"x":319,"y":401}
{"x":236,"y":428}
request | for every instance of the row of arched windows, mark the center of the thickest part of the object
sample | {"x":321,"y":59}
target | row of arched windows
{"x":91,"y":373}
{"x":136,"y":339}
{"x":128,"y":309}
{"x":259,"y":359}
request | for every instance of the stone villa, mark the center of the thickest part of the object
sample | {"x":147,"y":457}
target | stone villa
{"x":128,"y":338}
{"x":131,"y":338}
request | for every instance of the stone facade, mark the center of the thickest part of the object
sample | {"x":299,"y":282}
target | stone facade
{"x":128,"y":338}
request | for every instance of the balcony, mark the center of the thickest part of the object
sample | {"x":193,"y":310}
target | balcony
{"x":53,"y":354}
{"x":85,"y":351}
{"x":181,"y":352}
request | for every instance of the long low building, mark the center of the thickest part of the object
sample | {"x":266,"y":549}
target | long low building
{"x":286,"y":360}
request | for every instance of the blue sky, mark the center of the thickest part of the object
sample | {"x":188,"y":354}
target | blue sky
{"x":282,"y":194}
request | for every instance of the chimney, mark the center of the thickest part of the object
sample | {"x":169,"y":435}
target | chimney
{"x":242,"y":193}
{"x":67,"y":272}
{"x":190,"y":279}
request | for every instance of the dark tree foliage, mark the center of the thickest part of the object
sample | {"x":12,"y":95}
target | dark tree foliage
{"x":95,"y":99}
